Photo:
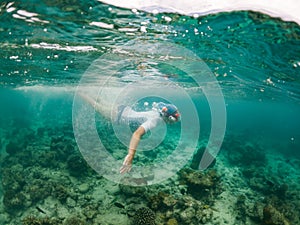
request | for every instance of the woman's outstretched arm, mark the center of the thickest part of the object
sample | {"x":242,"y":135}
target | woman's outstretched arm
{"x":135,"y":139}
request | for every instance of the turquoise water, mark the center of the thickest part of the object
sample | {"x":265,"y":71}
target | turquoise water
{"x":254,"y":58}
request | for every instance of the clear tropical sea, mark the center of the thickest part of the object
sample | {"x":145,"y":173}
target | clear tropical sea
{"x":51,"y":49}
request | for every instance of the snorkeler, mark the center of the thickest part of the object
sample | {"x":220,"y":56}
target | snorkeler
{"x":161,"y":113}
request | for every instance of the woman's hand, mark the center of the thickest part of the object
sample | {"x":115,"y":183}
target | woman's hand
{"x":135,"y":139}
{"x":127,"y":164}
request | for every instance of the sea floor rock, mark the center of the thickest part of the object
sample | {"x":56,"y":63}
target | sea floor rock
{"x":83,"y":188}
{"x":271,"y":216}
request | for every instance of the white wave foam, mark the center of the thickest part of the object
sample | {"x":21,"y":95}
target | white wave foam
{"x":288,"y":10}
{"x":64,"y":48}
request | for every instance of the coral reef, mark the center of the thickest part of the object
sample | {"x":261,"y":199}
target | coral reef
{"x":31,"y":220}
{"x":48,"y":173}
{"x":144,"y":216}
{"x":38,"y":190}
{"x":264,"y":182}
{"x":14,"y":147}
{"x":200,"y":184}
{"x":13,"y":181}
{"x":62,"y":146}
{"x":273,"y":217}
{"x":90,"y":211}
{"x":20,"y":138}
{"x":241,"y":154}
{"x":13,"y":178}
{"x":162,"y":201}
{"x":48,"y":159}
{"x":181,"y":209}
{"x":13,"y":201}
{"x":172,"y":221}
{"x":74,"y":220}
{"x":76,"y":165}
{"x":60,"y":192}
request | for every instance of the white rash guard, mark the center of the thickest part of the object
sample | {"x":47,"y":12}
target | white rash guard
{"x":148,"y":120}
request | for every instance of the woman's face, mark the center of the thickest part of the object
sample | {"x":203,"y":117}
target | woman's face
{"x":170,"y":119}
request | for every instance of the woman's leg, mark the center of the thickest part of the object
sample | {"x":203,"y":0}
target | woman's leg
{"x":102,"y":107}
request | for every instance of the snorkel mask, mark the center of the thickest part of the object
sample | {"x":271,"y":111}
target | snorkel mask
{"x":168,"y":111}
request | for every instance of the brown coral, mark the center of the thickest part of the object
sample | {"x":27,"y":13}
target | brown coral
{"x":271,"y":216}
{"x":200,"y":184}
